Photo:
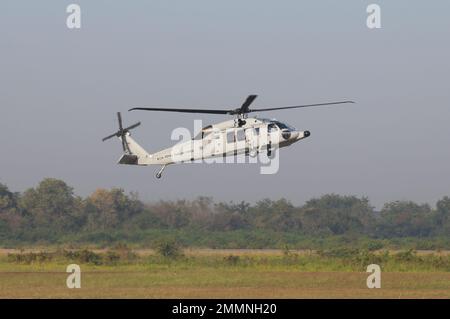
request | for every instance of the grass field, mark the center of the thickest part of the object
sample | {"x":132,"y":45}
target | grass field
{"x":229,"y":274}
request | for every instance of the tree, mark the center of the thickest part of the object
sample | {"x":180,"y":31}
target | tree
{"x":108,"y":209}
{"x":173,"y":214}
{"x":336,"y":214}
{"x":52,"y":206}
{"x":199,"y":211}
{"x":7,"y":199}
{"x":405,"y":218}
{"x":442,"y":216}
{"x":10,"y":216}
{"x":228,"y":217}
{"x":278,"y":215}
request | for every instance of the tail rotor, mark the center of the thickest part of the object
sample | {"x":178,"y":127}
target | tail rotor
{"x":122,"y":133}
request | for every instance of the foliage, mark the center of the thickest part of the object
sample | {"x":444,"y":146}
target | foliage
{"x":52,"y":214}
{"x":405,"y":218}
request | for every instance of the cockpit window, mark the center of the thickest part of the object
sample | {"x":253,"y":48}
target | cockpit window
{"x":283,"y":126}
{"x":272,"y":127}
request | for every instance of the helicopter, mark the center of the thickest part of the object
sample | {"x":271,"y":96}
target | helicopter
{"x":241,"y":135}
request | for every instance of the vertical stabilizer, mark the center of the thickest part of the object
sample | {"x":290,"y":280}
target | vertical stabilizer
{"x":136,"y":154}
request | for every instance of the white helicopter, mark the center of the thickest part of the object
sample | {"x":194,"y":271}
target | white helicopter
{"x":242,"y":135}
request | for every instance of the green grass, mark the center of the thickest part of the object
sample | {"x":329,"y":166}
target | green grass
{"x":235,"y":239}
{"x":225,"y":274}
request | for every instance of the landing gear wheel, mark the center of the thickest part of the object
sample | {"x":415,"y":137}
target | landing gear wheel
{"x":159,"y":173}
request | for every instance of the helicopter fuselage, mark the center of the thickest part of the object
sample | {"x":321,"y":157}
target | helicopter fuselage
{"x":248,"y":136}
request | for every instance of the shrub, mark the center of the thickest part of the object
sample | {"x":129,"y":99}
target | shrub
{"x":28,"y":258}
{"x":169,"y":249}
{"x":111,"y":257}
{"x":84,"y":256}
{"x":339,"y":253}
{"x":374,"y":245}
{"x":408,"y":255}
{"x":231,"y":260}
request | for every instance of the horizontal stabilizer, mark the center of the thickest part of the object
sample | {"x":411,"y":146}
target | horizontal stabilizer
{"x":128,"y":159}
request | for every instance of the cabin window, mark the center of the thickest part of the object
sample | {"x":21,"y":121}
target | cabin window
{"x":230,"y":137}
{"x":240,"y":135}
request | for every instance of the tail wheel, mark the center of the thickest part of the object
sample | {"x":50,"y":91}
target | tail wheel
{"x":159,"y":173}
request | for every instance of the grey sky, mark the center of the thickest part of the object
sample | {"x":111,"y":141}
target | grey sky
{"x":60,"y":89}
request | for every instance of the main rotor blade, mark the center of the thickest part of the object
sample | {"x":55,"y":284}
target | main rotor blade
{"x":208,"y":111}
{"x":298,"y":106}
{"x":244,"y":108}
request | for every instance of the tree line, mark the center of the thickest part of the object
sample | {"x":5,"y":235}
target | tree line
{"x":51,"y":211}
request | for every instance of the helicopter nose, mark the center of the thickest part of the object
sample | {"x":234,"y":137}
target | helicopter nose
{"x":303,"y":134}
{"x":292,"y":135}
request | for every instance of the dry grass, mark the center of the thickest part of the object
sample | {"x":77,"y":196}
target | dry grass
{"x":211,"y":283}
{"x":203,"y":280}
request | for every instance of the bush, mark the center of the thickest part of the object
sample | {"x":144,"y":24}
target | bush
{"x":84,"y":256}
{"x":169,"y":249}
{"x":374,"y":245}
{"x":111,"y":257}
{"x":28,"y":258}
{"x":231,"y":260}
{"x":339,"y":253}
{"x":408,"y":255}
{"x":123,"y":252}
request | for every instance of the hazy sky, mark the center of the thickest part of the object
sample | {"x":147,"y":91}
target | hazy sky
{"x":60,"y":89}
